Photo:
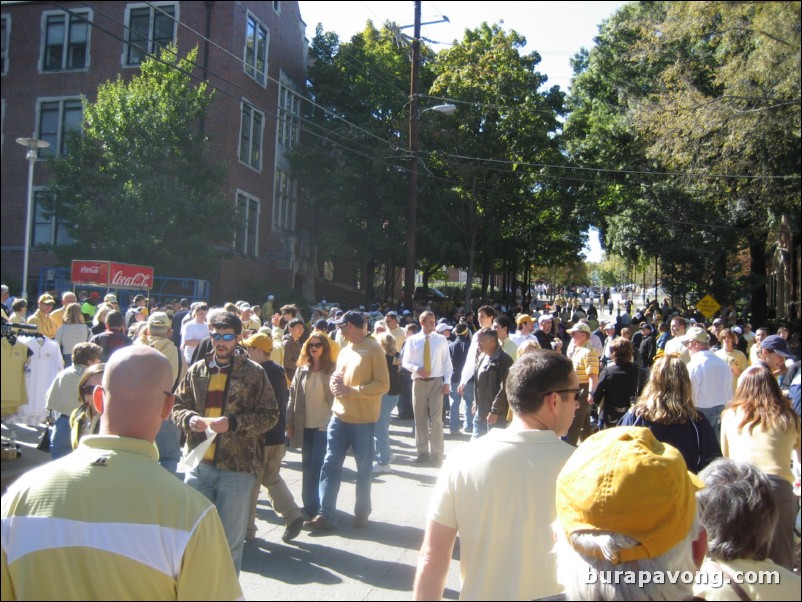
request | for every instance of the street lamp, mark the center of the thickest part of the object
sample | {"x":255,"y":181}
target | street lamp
{"x":412,"y":200}
{"x":33,"y":145}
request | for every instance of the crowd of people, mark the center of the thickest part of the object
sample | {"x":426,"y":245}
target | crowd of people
{"x":618,"y":439}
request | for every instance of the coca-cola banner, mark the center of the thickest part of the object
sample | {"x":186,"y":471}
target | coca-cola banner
{"x":110,"y":274}
{"x":125,"y":275}
{"x":91,"y":272}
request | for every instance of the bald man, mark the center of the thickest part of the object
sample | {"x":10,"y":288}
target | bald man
{"x":110,"y":512}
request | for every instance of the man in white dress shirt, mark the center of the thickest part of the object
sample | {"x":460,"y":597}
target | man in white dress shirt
{"x":711,"y":377}
{"x":427,"y":358}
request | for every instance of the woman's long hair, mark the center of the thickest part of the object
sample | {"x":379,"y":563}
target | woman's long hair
{"x":761,"y":403}
{"x":326,"y":363}
{"x":668,"y":396}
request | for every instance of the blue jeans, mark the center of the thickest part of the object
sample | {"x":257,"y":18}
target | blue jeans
{"x":381,"y":429}
{"x":168,"y":442}
{"x":60,"y":438}
{"x":312,"y":454}
{"x":480,"y":426}
{"x":453,"y":420}
{"x":340,"y":436}
{"x":713,"y":416}
{"x":230,"y":493}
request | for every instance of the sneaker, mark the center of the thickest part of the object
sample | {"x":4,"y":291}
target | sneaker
{"x":360,"y":521}
{"x":422,"y":458}
{"x":381,"y":468}
{"x":319,"y":523}
{"x":293,"y":530}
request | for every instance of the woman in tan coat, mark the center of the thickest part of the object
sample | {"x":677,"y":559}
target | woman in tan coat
{"x":309,"y":413}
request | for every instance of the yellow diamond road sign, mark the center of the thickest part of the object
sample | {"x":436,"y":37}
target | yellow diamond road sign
{"x":708,"y":306}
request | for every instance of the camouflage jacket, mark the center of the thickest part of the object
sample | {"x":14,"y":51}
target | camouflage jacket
{"x":248,"y":402}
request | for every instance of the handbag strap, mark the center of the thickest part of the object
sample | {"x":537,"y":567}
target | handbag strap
{"x":740,"y":592}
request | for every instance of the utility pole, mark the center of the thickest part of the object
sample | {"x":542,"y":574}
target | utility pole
{"x":412,"y":195}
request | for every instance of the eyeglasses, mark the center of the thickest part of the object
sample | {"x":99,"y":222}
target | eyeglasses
{"x":315,"y":345}
{"x":87,"y":390}
{"x":576,"y":392}
{"x":216,"y":336}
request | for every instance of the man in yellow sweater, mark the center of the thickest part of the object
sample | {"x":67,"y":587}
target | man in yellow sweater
{"x":358,"y":383}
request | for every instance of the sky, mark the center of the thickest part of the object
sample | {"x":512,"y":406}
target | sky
{"x":556,"y":30}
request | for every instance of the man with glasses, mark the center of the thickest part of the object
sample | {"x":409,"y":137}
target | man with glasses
{"x":228,"y":397}
{"x":498,"y":493}
{"x":108,"y":521}
{"x":358,"y":383}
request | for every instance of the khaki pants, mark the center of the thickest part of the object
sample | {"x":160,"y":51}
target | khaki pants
{"x":277,"y":491}
{"x":427,"y":405}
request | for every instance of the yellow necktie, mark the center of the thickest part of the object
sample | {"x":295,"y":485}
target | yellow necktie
{"x":427,"y":355}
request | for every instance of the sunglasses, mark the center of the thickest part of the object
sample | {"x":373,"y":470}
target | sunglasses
{"x":87,"y":389}
{"x":223,"y":337}
{"x":315,"y":345}
{"x":576,"y":392}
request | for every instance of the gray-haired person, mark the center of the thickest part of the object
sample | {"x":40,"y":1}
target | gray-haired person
{"x":739,"y":511}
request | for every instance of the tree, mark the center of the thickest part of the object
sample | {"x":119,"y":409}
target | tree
{"x":730,"y":106}
{"x":710,"y":90}
{"x":352,"y":162}
{"x":138,"y":184}
{"x":497,"y":202}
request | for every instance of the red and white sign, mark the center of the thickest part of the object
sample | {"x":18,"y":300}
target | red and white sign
{"x":91,"y":272}
{"x":125,"y":275}
{"x":112,"y":275}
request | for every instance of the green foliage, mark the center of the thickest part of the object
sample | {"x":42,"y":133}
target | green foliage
{"x":139,"y":184}
{"x":704,"y":88}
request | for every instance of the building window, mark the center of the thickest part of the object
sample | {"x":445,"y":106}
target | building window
{"x":250,"y":139}
{"x":284,"y":202}
{"x":149,"y":29}
{"x":66,"y":40}
{"x":47,"y":230}
{"x":4,"y":39}
{"x":247,"y":224}
{"x":289,"y":117}
{"x":56,"y":118}
{"x":256,"y":39}
{"x":277,"y":7}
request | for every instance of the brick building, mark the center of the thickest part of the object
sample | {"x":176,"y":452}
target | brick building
{"x":254,"y":52}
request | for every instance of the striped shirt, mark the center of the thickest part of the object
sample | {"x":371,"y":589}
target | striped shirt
{"x":109,"y":523}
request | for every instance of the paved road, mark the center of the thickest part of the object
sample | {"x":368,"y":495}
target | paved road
{"x":375,"y":563}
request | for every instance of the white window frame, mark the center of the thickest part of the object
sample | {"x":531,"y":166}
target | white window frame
{"x":277,"y":7}
{"x":57,"y":233}
{"x":248,"y":228}
{"x":57,"y":147}
{"x":285,"y":201}
{"x":250,"y":67}
{"x":288,"y":115}
{"x":6,"y":43}
{"x":152,"y":6}
{"x":87,"y":14}
{"x":250,"y":129}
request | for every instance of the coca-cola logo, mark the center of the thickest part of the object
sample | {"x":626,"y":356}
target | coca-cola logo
{"x":138,"y":280}
{"x":90,"y":269}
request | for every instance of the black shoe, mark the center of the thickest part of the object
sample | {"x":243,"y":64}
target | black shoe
{"x":422,"y":458}
{"x":293,"y":530}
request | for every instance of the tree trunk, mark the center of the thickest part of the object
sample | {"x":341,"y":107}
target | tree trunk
{"x":370,"y":277}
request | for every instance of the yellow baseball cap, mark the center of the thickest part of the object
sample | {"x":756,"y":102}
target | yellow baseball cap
{"x":260,"y":341}
{"x":625,"y":481}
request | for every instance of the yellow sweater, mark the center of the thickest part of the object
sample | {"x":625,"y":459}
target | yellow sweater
{"x":364,"y":368}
